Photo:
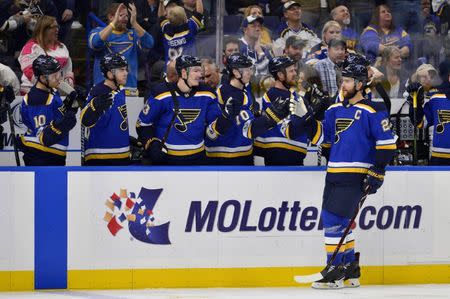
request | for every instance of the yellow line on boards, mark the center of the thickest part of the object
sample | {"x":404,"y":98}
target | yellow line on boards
{"x":244,"y":277}
{"x":16,"y":280}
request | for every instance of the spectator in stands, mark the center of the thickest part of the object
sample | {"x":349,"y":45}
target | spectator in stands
{"x":117,"y":38}
{"x":294,"y":26}
{"x":442,"y":9}
{"x":381,"y":33}
{"x":66,"y":10}
{"x":361,"y":12}
{"x":44,"y":42}
{"x":341,"y":15}
{"x":234,"y":7}
{"x":330,"y":30}
{"x":395,"y":76}
{"x":179,"y":32}
{"x":230,"y":46}
{"x":430,"y":43}
{"x":250,"y":44}
{"x":306,"y":73}
{"x":407,"y":14}
{"x":211,"y":74}
{"x":328,"y":68}
{"x":427,"y":76}
{"x":9,"y":78}
{"x":14,"y":24}
{"x":266,"y":35}
{"x":192,"y":6}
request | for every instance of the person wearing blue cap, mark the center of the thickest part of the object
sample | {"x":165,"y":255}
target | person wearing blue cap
{"x":250,"y":44}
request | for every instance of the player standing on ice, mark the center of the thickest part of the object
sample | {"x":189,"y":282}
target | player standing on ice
{"x":358,"y":132}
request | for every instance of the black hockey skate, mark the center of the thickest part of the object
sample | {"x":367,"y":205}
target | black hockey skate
{"x":333,"y":279}
{"x":352,"y":273}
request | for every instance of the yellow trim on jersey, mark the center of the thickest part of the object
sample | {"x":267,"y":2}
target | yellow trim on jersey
{"x":331,"y":248}
{"x":316,"y":137}
{"x":107,"y":156}
{"x":365,"y":107}
{"x":185,"y":152}
{"x":245,"y":99}
{"x":369,"y":28}
{"x":280,"y":145}
{"x":326,"y":145}
{"x":266,"y":98}
{"x":49,"y":99}
{"x":438,"y":95}
{"x":199,"y":23}
{"x":347,"y":170}
{"x":335,"y":105}
{"x":386,"y":147}
{"x":43,"y":147}
{"x":163,"y":22}
{"x":205,"y":93}
{"x":219,"y":96}
{"x":440,"y":155}
{"x":163,"y":95}
{"x":229,"y":155}
{"x":287,"y":132}
{"x":25,"y":99}
{"x":350,"y":245}
{"x":179,"y":34}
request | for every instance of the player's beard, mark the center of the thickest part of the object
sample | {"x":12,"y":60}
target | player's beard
{"x":349,"y":94}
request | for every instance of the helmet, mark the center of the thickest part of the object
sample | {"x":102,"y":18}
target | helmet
{"x":354,"y":58}
{"x":112,"y":61}
{"x":355,"y":71}
{"x":186,"y":61}
{"x":236,"y":61}
{"x":45,"y":65}
{"x":278,"y":64}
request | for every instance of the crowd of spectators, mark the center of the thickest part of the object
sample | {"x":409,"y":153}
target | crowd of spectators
{"x":399,"y":37}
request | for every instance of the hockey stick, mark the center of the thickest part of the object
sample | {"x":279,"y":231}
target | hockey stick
{"x":414,"y":96}
{"x":321,"y":274}
{"x":13,"y":134}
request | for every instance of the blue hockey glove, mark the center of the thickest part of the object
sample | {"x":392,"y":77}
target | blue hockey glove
{"x":102,"y":102}
{"x":278,"y":110}
{"x":156,"y":152}
{"x":66,"y":123}
{"x":373,"y":180}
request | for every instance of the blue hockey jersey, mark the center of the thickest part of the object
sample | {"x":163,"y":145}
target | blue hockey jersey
{"x":198,"y":110}
{"x":437,"y":114}
{"x":180,"y":40}
{"x":359,"y":136}
{"x":275,"y":144}
{"x":236,"y":142}
{"x":106,"y":137}
{"x":39,"y":108}
{"x":125,"y":43}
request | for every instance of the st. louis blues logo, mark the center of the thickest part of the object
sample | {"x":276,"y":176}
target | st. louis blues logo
{"x":342,"y":124}
{"x":443,"y":118}
{"x":138,"y":213}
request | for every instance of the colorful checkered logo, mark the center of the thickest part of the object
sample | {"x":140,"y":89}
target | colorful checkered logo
{"x":125,"y":209}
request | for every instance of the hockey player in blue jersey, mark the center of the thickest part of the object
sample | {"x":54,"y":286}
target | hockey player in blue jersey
{"x":104,"y":117}
{"x":236,"y":146}
{"x":358,"y":132}
{"x":174,"y":120}
{"x":276,"y":145}
{"x":47,"y":118}
{"x":434,"y":112}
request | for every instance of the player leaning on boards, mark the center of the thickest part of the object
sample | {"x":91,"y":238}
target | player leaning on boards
{"x":173,"y":122}
{"x":362,"y":144}
{"x":47,"y":118}
{"x":277,"y":145}
{"x":235,"y":147}
{"x":104,"y":117}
